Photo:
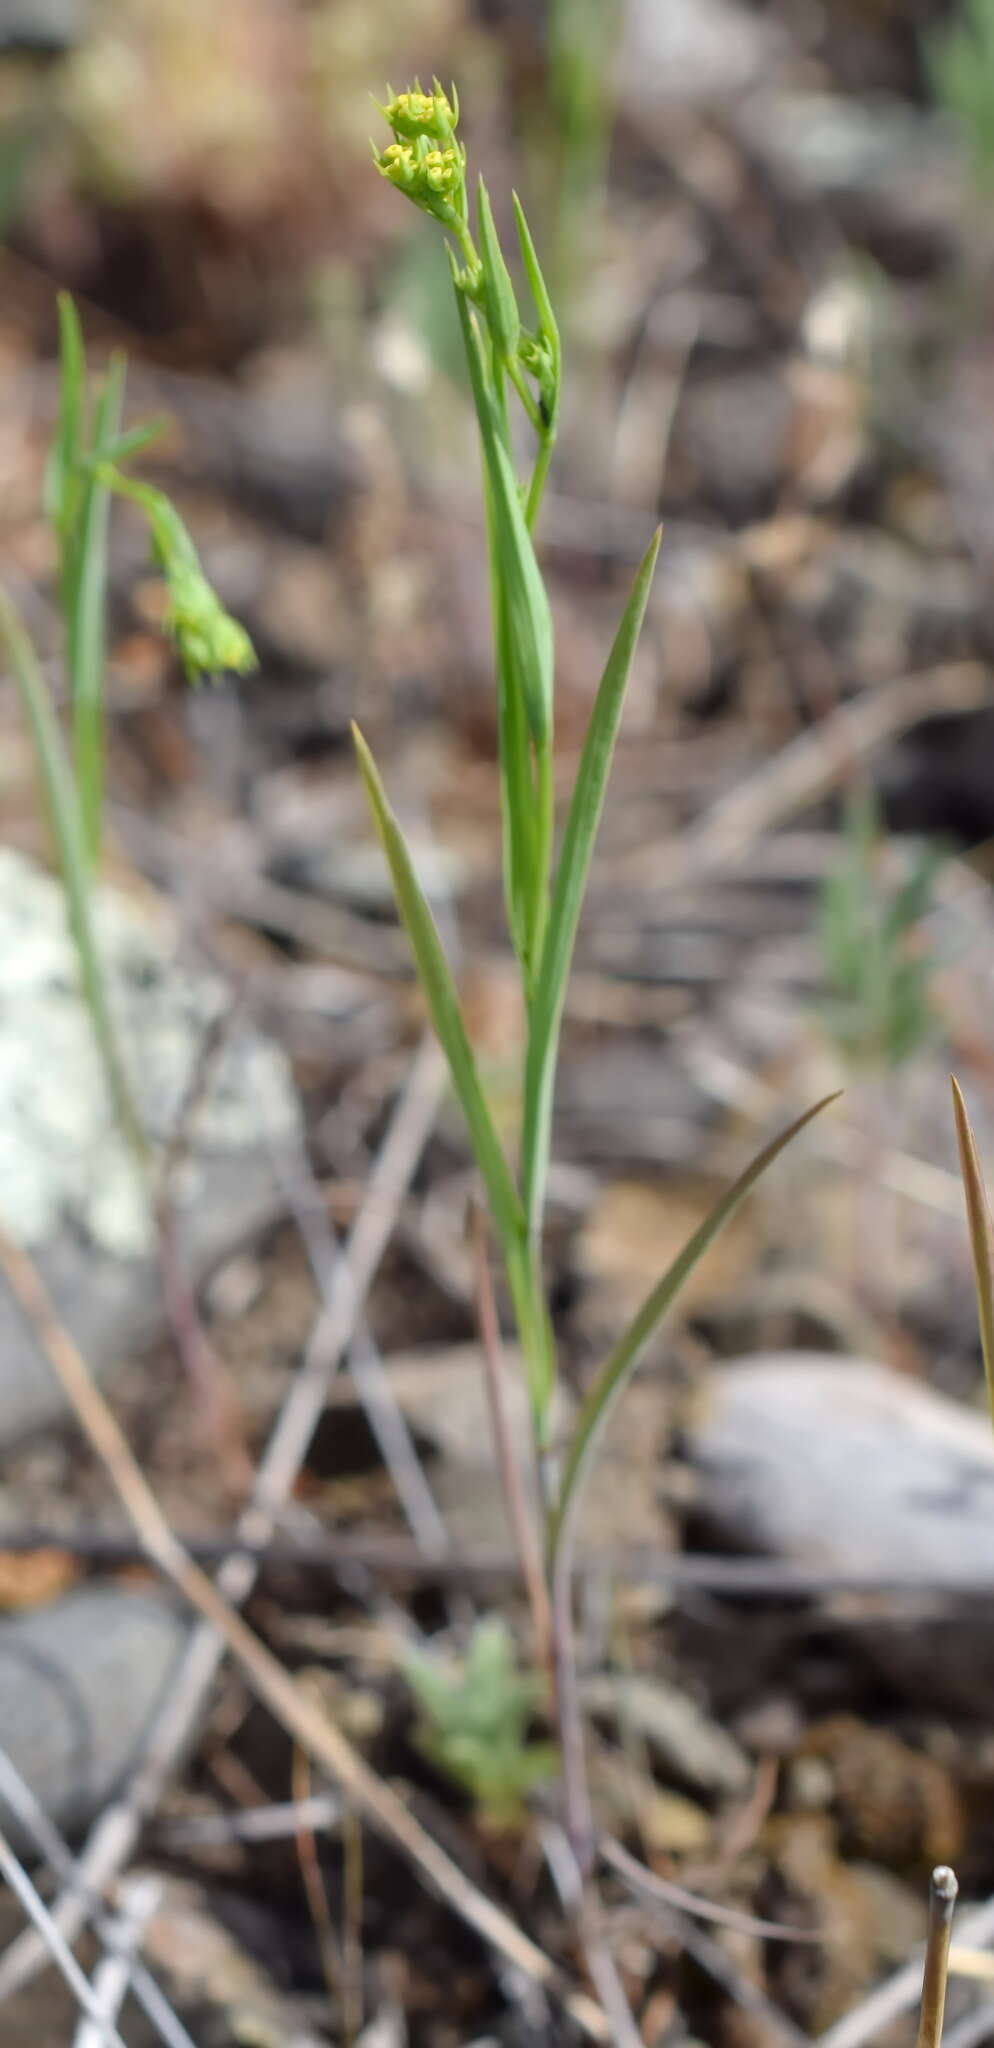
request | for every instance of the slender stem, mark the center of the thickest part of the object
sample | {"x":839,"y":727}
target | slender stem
{"x":539,"y":476}
{"x":527,"y":397}
{"x":943,"y":1892}
{"x":576,"y":1793}
{"x":520,"y":1512}
{"x":532,"y":1318}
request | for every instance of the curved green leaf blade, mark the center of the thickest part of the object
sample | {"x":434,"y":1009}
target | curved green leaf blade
{"x":503,"y":317}
{"x":443,"y":1004}
{"x":68,"y":445}
{"x":981,"y":1233}
{"x":86,"y":618}
{"x":618,"y":1368}
{"x":570,"y":886}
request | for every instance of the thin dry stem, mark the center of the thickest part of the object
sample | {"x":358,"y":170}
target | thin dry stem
{"x":943,"y":1892}
{"x":113,"y":1838}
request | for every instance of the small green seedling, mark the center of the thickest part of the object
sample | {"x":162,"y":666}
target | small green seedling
{"x":878,"y":963}
{"x":474,"y":1723}
{"x":84,"y":471}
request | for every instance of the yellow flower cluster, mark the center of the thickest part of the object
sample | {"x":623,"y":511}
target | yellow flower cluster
{"x":424,"y":160}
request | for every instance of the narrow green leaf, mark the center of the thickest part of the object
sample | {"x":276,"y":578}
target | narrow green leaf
{"x":121,"y":446}
{"x":618,"y":1368}
{"x":503,"y":317}
{"x":86,"y":639}
{"x":61,"y":477}
{"x":567,"y":897}
{"x":528,"y":618}
{"x":981,"y":1233}
{"x":443,"y":1004}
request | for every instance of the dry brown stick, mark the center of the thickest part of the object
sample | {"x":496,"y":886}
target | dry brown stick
{"x":113,"y":1837}
{"x":302,"y":1719}
{"x":520,"y":1515}
{"x":650,"y":1885}
{"x":942,"y":1896}
{"x":756,"y":1579}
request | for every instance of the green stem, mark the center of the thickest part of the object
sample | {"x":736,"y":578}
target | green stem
{"x":70,"y":842}
{"x":545,"y":825}
{"x":539,"y":476}
{"x":527,"y":397}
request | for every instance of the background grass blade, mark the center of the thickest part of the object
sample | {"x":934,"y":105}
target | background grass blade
{"x":443,"y":1004}
{"x":617,"y":1371}
{"x":86,"y":619}
{"x":62,"y":474}
{"x":567,"y":898}
{"x":981,"y":1233}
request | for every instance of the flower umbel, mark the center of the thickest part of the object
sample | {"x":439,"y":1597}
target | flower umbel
{"x":435,"y":179}
{"x":415,"y":113}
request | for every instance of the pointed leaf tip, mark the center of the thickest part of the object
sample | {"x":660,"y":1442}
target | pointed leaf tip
{"x":981,"y":1231}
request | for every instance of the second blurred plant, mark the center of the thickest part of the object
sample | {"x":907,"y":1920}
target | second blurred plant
{"x":877,"y":961}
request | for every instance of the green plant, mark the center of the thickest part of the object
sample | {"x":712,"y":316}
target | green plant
{"x":475,"y":1716}
{"x":544,"y":895}
{"x":960,"y":59}
{"x":84,"y":471}
{"x":877,"y":963}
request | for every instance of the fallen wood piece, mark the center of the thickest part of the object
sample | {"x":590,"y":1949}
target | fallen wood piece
{"x":850,"y":1467}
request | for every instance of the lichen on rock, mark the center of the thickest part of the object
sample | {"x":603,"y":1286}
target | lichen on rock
{"x":63,"y":1163}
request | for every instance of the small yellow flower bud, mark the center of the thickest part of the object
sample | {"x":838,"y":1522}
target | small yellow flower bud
{"x":415,"y":113}
{"x":433,"y":178}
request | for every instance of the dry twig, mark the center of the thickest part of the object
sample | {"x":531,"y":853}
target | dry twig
{"x":300,"y":1716}
{"x":113,"y":1838}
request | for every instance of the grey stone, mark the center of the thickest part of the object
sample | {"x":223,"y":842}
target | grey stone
{"x":79,"y":1683}
{"x":847,"y":1465}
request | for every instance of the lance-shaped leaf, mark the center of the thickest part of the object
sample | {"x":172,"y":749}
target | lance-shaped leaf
{"x":443,"y":1005}
{"x":528,"y":620}
{"x":981,"y":1234}
{"x":547,"y":325}
{"x":62,"y":472}
{"x":618,"y":1368}
{"x":503,"y":317}
{"x":570,"y":887}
